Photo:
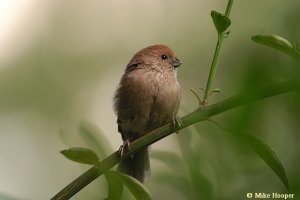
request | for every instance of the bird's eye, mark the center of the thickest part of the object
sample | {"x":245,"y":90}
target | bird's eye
{"x":164,"y":57}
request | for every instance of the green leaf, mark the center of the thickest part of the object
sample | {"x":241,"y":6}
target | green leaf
{"x":169,"y":158}
{"x":81,"y":155}
{"x":137,"y":189}
{"x":115,"y":187}
{"x":279,"y":43}
{"x":95,"y":139}
{"x":268,"y":155}
{"x":221,"y":22}
{"x":263,"y":151}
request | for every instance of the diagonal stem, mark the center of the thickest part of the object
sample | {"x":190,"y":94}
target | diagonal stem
{"x":200,"y":114}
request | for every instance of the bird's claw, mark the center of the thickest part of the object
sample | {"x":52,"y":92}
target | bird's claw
{"x":123,"y":147}
{"x":176,"y":123}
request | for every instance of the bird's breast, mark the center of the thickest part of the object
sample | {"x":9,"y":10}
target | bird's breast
{"x":166,"y":100}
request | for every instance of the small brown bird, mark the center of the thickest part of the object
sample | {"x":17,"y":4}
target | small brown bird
{"x":148,"y":97}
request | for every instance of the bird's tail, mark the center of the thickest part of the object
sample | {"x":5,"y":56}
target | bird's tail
{"x":137,"y":166}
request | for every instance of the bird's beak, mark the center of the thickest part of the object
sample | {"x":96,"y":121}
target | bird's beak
{"x":176,"y":62}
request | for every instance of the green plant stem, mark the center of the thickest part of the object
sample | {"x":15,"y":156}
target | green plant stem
{"x":200,"y":114}
{"x":213,"y":69}
{"x":228,"y":8}
{"x":214,"y":63}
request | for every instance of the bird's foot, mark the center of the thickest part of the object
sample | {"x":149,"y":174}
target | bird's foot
{"x":176,"y":123}
{"x":123,"y":148}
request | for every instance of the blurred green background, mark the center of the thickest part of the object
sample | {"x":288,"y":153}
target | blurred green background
{"x":61,"y":61}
